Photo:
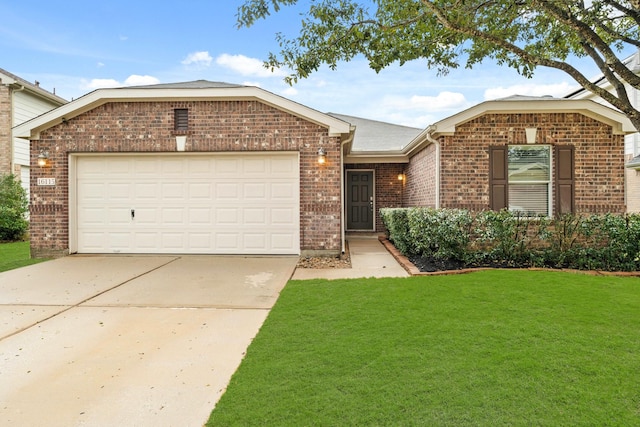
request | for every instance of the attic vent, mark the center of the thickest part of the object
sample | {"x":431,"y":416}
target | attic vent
{"x":181,"y":119}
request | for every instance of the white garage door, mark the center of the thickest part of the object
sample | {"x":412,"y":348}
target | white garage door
{"x":209,"y":204}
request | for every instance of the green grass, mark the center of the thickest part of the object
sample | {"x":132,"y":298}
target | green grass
{"x":491,"y":348}
{"x":15,"y":255}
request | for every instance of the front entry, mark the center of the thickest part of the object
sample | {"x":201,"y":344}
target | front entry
{"x":360,"y":200}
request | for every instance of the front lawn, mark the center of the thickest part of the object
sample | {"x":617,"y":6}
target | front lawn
{"x":16,"y":254}
{"x":494,"y":348}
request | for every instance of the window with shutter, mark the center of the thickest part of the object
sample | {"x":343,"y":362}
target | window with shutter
{"x":181,"y":119}
{"x":565,"y":179}
{"x":498,"y":177}
{"x":529,"y":179}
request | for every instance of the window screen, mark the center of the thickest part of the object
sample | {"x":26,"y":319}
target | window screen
{"x":529,"y":179}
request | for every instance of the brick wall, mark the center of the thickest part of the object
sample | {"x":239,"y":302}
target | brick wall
{"x":136,"y":127}
{"x":599,"y":158}
{"x":388,"y":189}
{"x":5,"y":130}
{"x":420,"y":173}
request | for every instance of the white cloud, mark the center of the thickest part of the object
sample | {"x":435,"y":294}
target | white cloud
{"x":198,"y":59}
{"x":443,"y":101}
{"x":100,"y":64}
{"x":290,"y":91}
{"x":99,"y":83}
{"x":132,"y":80}
{"x":136,"y":80}
{"x":556,"y":90}
{"x":246,"y":66}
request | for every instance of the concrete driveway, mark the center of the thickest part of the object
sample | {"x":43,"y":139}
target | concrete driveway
{"x":128,"y":340}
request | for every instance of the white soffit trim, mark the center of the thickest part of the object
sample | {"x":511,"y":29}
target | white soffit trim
{"x":31,"y":129}
{"x":376,"y":157}
{"x":620,"y":123}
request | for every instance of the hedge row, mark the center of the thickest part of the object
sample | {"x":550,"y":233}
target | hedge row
{"x":605,"y":242}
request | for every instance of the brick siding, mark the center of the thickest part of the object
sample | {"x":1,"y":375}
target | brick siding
{"x":599,"y":158}
{"x":214,"y":126}
{"x":420,"y":174}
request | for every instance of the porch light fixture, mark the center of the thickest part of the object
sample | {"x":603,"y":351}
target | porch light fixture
{"x":400,"y":177}
{"x":43,"y":159}
{"x":530,"y":133}
{"x":322,"y":156}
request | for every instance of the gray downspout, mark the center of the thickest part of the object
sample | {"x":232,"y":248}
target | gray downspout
{"x":342,"y":204}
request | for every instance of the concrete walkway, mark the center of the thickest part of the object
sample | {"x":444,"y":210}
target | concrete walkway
{"x":369,"y":258}
{"x":128,"y":340}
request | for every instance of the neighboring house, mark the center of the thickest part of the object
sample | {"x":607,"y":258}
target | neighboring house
{"x":204,"y":167}
{"x":632,"y":141}
{"x":20,"y":101}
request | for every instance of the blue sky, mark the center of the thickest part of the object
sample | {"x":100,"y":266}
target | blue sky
{"x":78,"y":46}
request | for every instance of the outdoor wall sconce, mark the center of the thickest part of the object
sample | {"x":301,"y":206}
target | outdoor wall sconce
{"x":43,"y":159}
{"x":400,"y":177}
{"x":530,"y":133}
{"x":322,"y":156}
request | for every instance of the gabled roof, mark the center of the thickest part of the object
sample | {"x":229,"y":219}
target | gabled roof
{"x":620,"y":123}
{"x":520,"y":104}
{"x":375,"y":141}
{"x":376,"y":136}
{"x":197,"y":90}
{"x":8,"y":78}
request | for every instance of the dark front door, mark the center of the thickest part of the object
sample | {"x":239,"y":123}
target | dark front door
{"x":360,"y":200}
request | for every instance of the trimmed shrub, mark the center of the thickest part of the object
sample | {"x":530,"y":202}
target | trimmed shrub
{"x":441,"y":233}
{"x":590,"y":242}
{"x":395,"y":220}
{"x":13,"y":209}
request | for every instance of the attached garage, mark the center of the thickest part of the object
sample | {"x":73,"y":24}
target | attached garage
{"x":186,"y":168}
{"x":223,"y":203}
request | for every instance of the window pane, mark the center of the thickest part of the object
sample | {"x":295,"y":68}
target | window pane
{"x":530,"y":199}
{"x":528,"y":163}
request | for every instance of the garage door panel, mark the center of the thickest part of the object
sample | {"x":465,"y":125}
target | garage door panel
{"x":118,"y":191}
{"x":255,"y":241}
{"x":282,"y":241}
{"x":283,"y":216}
{"x":144,"y":167}
{"x":93,"y":191}
{"x":255,"y":216}
{"x":200,"y":191}
{"x":228,"y":241}
{"x":254,"y":192}
{"x":218,"y":203}
{"x":229,"y":191}
{"x":174,"y":216}
{"x":227,"y":167}
{"x":146,"y":241}
{"x":117,"y":168}
{"x":200,"y":216}
{"x":174,"y":190}
{"x":145,"y":190}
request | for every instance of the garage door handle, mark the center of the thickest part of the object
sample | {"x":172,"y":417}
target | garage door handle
{"x":133,"y":213}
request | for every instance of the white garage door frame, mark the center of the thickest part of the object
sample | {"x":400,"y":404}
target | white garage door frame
{"x":281,"y":229}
